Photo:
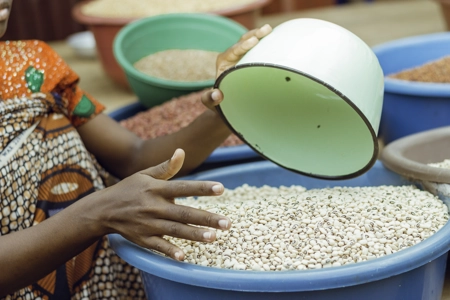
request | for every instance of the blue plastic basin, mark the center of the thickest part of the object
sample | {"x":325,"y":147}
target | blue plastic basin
{"x":219,"y":157}
{"x":410,"y":107}
{"x":417,"y":272}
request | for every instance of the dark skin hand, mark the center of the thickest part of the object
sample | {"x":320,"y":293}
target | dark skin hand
{"x":141,"y":206}
{"x":123,"y":153}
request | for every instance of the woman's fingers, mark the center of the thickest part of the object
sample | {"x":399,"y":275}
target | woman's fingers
{"x":175,"y":221}
{"x":247,"y":42}
{"x":212,"y":98}
{"x":188,"y":215}
{"x":232,"y":55}
{"x":185,"y":231}
{"x":167,"y":169}
{"x":178,"y":188}
{"x":257,"y":32}
{"x":187,"y":188}
{"x":182,"y":231}
{"x":161,"y":245}
{"x":239,"y":49}
{"x":159,"y":216}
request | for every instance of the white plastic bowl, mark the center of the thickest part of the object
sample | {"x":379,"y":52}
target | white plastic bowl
{"x":83,"y":43}
{"x":308,"y":97}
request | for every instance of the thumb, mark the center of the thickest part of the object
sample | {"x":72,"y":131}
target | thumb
{"x":212,"y":98}
{"x":167,"y":169}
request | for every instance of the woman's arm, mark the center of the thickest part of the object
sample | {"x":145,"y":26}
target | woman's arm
{"x":140,"y":208}
{"x":30,"y":254}
{"x":122,"y":153}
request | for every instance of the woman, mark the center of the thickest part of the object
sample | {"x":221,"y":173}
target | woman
{"x":57,"y":148}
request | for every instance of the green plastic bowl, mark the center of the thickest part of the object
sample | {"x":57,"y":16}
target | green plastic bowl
{"x":170,"y":31}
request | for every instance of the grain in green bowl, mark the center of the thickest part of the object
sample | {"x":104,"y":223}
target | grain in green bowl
{"x":179,"y":65}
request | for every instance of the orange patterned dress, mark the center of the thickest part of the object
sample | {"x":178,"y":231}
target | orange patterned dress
{"x":44,"y":167}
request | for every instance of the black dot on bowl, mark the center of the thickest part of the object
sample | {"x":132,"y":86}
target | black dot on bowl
{"x":318,"y":126}
{"x":288,"y":79}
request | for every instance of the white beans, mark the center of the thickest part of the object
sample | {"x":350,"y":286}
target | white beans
{"x":442,"y":164}
{"x":143,"y":8}
{"x":291,"y":228}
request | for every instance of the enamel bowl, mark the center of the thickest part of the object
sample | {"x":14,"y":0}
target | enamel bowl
{"x":308,"y":97}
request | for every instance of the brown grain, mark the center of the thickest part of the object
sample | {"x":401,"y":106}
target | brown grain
{"x":437,"y":71}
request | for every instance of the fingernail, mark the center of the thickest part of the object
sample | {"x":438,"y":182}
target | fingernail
{"x":215,"y":95}
{"x":207,"y":235}
{"x":174,"y":154}
{"x":218,"y":188}
{"x":178,"y":255}
{"x":263,"y":31}
{"x":223,"y":223}
{"x":265,"y":28}
{"x":251,"y":42}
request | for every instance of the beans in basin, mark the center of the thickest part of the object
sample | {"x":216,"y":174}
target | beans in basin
{"x":292,"y":228}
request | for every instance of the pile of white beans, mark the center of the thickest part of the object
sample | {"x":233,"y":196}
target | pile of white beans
{"x":146,"y":8}
{"x":292,"y":228}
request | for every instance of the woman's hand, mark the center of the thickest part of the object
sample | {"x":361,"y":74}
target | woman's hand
{"x":141,"y":208}
{"x":232,"y":55}
{"x":230,"y":58}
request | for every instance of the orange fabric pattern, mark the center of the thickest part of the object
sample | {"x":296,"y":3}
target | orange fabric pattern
{"x":33,"y":66}
{"x":44,"y":168}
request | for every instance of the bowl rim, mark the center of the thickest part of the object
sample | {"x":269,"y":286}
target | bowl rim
{"x":131,"y":71}
{"x":94,"y":20}
{"x":283,"y":281}
{"x":397,"y":86}
{"x":393,"y":157}
{"x":78,"y":15}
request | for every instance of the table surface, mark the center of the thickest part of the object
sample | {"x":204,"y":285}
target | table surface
{"x":375,"y":22}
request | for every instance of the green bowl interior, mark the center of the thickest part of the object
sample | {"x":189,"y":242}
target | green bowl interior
{"x":173,"y":31}
{"x":297,"y":122}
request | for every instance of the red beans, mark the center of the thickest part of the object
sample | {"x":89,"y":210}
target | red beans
{"x":170,"y":117}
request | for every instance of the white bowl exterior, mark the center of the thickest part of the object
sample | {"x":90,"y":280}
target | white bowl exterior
{"x":83,"y":43}
{"x":329,"y":53}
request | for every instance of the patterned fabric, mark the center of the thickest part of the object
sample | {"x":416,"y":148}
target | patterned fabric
{"x":44,"y":167}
